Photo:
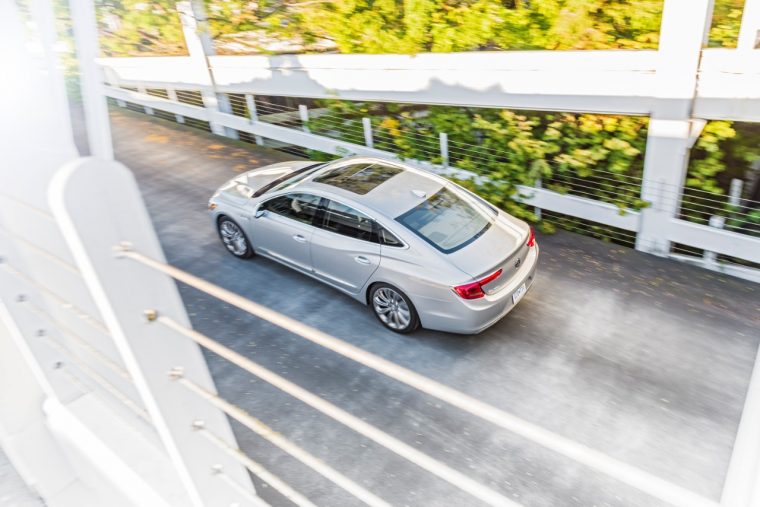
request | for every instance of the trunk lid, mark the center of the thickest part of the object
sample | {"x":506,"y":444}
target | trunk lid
{"x":499,"y":247}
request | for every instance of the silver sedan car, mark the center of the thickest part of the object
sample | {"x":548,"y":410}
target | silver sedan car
{"x":415,"y":247}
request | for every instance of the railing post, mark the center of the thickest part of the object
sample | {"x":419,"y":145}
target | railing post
{"x":710,"y":259}
{"x":250,"y":101}
{"x":98,"y":208}
{"x":735,"y":192}
{"x":443,"y":139}
{"x":141,"y":88}
{"x":303,"y":113}
{"x":172,"y":94}
{"x":685,"y":25}
{"x":367,"y":125}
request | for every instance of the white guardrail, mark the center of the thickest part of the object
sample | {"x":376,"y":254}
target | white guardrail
{"x":699,"y":236}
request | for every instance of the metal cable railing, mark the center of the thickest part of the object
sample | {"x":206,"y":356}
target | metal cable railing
{"x":356,"y":424}
{"x":283,"y":443}
{"x":628,"y":474}
{"x":615,"y":188}
{"x":254,"y":467}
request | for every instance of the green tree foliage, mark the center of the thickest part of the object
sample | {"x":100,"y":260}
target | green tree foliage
{"x":413,"y":26}
{"x":140,"y":27}
{"x":727,"y":18}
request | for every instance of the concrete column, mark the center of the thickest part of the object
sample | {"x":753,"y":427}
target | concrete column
{"x":200,"y":47}
{"x":685,"y":25}
{"x":749,"y":36}
{"x":91,"y":76}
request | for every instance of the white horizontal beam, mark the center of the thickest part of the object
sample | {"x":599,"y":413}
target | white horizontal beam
{"x":580,"y":207}
{"x":618,"y":81}
{"x":715,"y":240}
{"x":729,"y":85}
{"x":143,"y":99}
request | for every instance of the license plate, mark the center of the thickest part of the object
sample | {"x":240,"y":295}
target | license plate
{"x":518,"y":294}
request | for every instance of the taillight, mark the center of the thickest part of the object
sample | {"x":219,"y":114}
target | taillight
{"x":474,"y":290}
{"x":531,"y":237}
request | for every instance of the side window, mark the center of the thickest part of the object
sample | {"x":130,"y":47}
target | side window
{"x":301,"y":207}
{"x":347,"y":221}
{"x":388,"y":239}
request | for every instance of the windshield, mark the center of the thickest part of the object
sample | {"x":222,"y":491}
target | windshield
{"x":287,"y":180}
{"x":446,"y":221}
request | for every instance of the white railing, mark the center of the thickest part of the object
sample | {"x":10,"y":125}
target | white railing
{"x":679,"y":86}
{"x":726,"y":242}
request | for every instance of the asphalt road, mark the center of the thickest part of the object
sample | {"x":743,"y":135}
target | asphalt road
{"x":643,"y":359}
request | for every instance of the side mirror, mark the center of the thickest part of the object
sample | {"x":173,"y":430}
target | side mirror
{"x":260,"y":213}
{"x":245,"y":190}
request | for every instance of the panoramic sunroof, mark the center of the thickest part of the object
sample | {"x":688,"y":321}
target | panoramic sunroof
{"x":358,"y":178}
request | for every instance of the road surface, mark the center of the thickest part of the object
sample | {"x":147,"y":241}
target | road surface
{"x":643,"y":359}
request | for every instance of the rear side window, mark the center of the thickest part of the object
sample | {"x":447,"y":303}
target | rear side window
{"x":446,"y":221}
{"x":301,"y":207}
{"x":344,"y":220}
{"x":386,"y":238}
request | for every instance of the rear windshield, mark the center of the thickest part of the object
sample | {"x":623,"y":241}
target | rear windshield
{"x":446,"y":221}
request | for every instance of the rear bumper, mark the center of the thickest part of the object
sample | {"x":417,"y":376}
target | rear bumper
{"x":457,"y":315}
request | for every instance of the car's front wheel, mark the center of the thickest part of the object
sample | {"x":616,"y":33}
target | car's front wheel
{"x":393,"y":308}
{"x":234,"y":238}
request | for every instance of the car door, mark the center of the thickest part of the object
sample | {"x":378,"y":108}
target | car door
{"x":344,"y":248}
{"x":283,"y":228}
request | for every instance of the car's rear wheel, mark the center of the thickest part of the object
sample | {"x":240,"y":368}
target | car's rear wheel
{"x":234,"y":238}
{"x":393,"y":308}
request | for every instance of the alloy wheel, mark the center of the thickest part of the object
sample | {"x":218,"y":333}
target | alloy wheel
{"x":392,"y":308}
{"x":233,"y":238}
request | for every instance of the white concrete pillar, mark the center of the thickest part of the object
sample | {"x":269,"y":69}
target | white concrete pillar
{"x":91,"y":78}
{"x":749,"y":36}
{"x":126,"y":295}
{"x":685,"y":26}
{"x":200,"y":47}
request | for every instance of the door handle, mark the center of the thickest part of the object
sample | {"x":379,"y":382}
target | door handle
{"x":361,"y":259}
{"x":299,"y":238}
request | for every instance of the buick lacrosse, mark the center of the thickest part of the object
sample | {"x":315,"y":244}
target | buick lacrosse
{"x":415,"y":247}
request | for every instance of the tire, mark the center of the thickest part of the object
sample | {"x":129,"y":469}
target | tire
{"x":233,"y":238}
{"x":393,"y":308}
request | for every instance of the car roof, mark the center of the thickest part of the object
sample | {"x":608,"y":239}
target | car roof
{"x":392,"y":197}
